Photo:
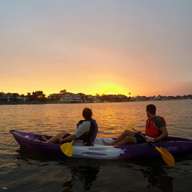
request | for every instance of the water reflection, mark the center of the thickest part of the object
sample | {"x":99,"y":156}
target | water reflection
{"x":79,"y":175}
{"x":83,"y":174}
{"x":158,"y":179}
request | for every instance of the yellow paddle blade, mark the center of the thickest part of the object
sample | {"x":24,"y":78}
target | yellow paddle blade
{"x":166,"y":156}
{"x":67,"y":149}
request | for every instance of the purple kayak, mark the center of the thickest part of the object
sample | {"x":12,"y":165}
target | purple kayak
{"x":32,"y":144}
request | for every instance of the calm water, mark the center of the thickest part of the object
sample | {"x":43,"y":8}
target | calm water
{"x":19,"y":173}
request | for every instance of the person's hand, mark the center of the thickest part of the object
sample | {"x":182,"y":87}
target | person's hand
{"x":61,"y":140}
{"x":149,"y":139}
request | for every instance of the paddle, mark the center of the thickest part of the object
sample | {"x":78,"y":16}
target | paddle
{"x":67,"y":148}
{"x":165,"y":154}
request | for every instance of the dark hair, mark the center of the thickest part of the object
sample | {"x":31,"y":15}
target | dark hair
{"x":151,"y":109}
{"x":87,"y":113}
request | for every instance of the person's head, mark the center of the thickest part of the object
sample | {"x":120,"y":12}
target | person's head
{"x":151,"y":110}
{"x":87,"y":113}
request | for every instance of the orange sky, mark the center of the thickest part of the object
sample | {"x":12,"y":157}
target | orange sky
{"x":96,"y":47}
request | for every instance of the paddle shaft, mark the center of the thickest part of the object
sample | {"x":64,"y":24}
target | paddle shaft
{"x":164,"y":153}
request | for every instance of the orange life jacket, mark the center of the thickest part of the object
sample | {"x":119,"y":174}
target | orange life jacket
{"x":152,"y":129}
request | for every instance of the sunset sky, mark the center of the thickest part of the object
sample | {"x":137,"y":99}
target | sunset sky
{"x":96,"y":46}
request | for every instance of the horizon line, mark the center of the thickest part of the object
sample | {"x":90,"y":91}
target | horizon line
{"x":99,"y":94}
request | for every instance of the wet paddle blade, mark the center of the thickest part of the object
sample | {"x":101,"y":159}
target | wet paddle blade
{"x":166,"y":156}
{"x":67,"y":149}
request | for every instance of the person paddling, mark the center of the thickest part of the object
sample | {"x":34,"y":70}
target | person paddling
{"x":155,"y":130}
{"x":85,"y":134}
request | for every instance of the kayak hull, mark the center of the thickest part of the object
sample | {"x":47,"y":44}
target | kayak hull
{"x":31,"y":143}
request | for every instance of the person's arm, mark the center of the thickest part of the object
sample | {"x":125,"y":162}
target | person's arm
{"x":82,"y":129}
{"x":163,"y":127}
{"x":68,"y":139}
{"x":163,"y":135}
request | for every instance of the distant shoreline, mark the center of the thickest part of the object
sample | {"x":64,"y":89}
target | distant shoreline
{"x":48,"y":103}
{"x":63,"y":97}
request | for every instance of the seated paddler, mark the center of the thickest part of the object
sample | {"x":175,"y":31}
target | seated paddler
{"x":155,"y":130}
{"x":85,"y":133}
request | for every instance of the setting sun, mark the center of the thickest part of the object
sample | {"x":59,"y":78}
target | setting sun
{"x":109,"y":88}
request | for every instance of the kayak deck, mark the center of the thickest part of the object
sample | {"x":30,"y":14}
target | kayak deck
{"x":32,"y":143}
